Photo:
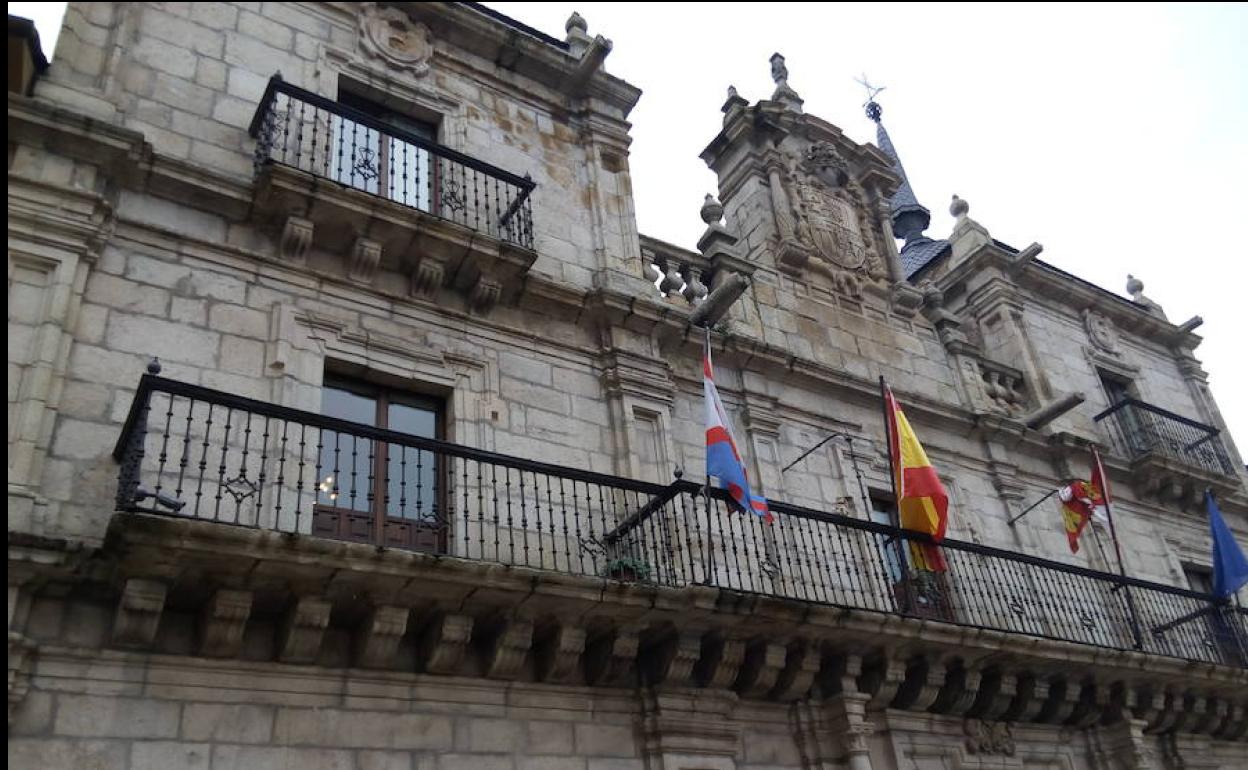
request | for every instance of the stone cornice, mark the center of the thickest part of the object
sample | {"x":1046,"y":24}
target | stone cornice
{"x":492,"y":40}
{"x":787,"y":643}
{"x":1068,"y":291}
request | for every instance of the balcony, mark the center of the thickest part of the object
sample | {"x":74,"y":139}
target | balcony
{"x":1172,"y":457}
{"x":327,"y":168}
{"x":212,"y":459}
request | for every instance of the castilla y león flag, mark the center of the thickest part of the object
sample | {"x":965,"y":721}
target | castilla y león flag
{"x":922,"y":503}
{"x":1081,"y":501}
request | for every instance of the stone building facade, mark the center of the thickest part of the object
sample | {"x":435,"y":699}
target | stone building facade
{"x":398,"y":490}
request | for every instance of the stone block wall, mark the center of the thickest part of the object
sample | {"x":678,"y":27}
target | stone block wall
{"x":190,"y":77}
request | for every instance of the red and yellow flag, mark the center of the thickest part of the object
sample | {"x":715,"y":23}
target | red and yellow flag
{"x":1080,"y":502}
{"x":922,"y":503}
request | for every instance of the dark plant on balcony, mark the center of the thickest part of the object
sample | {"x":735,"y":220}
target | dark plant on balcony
{"x":628,"y":568}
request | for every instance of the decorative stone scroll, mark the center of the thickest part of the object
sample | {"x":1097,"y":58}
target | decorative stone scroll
{"x":720,"y":661}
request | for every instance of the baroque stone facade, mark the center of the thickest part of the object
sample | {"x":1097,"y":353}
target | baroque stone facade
{"x":431,"y":206}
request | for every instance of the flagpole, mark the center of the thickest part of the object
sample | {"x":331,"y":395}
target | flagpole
{"x":1032,"y":507}
{"x":1113,"y":533}
{"x":895,"y":515}
{"x":706,"y":492}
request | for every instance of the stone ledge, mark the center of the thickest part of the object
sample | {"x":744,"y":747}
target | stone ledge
{"x":792,"y":649}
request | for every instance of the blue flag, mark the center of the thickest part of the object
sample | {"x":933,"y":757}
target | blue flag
{"x":1230,"y":568}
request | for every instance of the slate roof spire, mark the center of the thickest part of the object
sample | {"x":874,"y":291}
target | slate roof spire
{"x":910,"y":218}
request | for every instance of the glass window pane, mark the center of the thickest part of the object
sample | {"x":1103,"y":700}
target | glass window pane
{"x":346,"y":461}
{"x":881,"y":513}
{"x":412,"y":472}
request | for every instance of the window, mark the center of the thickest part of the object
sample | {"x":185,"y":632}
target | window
{"x":375,"y":161}
{"x":1210,"y":629}
{"x":882,"y":513}
{"x":1117,"y":389}
{"x":1133,"y":426}
{"x":375,"y":491}
{"x":928,"y":591}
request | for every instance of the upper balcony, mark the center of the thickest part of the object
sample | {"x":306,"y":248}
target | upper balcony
{"x":1171,"y":456}
{"x":380,"y":193}
{"x":210,"y":459}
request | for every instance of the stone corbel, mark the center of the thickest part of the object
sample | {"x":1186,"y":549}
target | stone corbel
{"x":302,"y":630}
{"x":484,"y":294}
{"x":296,"y":239}
{"x":925,"y":678}
{"x":508,"y":648}
{"x":558,"y":651}
{"x":1090,"y":707}
{"x":881,"y":679}
{"x":800,"y":668}
{"x":1059,"y":703}
{"x":610,"y":655}
{"x":223,"y":621}
{"x":428,"y":276}
{"x":906,"y":299}
{"x":720,"y":661}
{"x":138,"y":613}
{"x":21,"y":661}
{"x":444,"y":642}
{"x":365,"y":256}
{"x":1230,"y":724}
{"x":1209,"y":715}
{"x":958,"y":694}
{"x":1030,"y":698}
{"x":670,"y":659}
{"x":763,"y":663}
{"x":997,"y":690}
{"x":378,"y":638}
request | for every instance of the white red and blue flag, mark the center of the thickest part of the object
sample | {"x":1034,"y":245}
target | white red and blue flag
{"x":723,"y":461}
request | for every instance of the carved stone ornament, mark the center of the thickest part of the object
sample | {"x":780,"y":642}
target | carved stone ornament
{"x":1101,"y":331}
{"x":988,"y":737}
{"x":827,"y":222}
{"x":389,"y":34}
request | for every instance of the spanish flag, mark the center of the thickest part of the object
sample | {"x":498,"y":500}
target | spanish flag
{"x":922,"y":503}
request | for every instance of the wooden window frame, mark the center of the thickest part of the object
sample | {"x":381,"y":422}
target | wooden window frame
{"x":382,"y":529}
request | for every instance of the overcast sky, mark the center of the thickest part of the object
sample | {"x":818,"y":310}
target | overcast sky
{"x":1115,"y":135}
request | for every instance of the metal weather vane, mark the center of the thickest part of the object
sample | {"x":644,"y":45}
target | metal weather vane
{"x":871,"y":90}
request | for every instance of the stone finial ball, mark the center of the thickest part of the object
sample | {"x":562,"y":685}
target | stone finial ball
{"x":1134,"y":285}
{"x":712,"y":210}
{"x":959,"y":207}
{"x":576,"y":21}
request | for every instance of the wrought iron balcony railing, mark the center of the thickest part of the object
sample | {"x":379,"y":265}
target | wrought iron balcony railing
{"x":1139,"y":429}
{"x":193,"y":452}
{"x":308,"y":132}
